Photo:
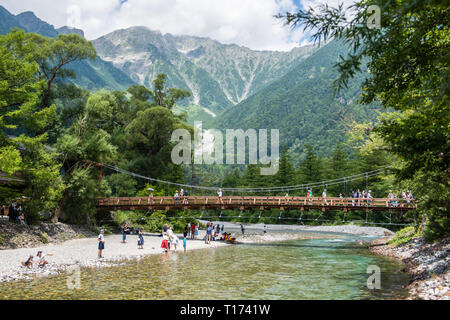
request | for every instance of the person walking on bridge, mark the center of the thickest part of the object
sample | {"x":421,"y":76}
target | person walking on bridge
{"x":175,"y":196}
{"x":309,"y":195}
{"x":185,"y":197}
{"x":324,"y":197}
{"x":219,"y":194}
{"x":150,"y":196}
{"x":286,"y":198}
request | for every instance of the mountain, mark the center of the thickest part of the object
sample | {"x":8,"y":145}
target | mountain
{"x":232,"y":86}
{"x":301,"y":104}
{"x":70,"y":30}
{"x":218,"y":75}
{"x":93,"y":75}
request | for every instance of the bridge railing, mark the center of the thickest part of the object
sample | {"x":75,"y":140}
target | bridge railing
{"x":254,"y":201}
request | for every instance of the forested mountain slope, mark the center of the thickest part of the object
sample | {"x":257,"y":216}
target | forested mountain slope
{"x":301,"y":104}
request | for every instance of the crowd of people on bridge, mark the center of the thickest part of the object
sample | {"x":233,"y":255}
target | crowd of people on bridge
{"x":407,"y":199}
{"x":183,"y":195}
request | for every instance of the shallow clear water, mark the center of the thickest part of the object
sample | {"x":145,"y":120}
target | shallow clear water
{"x":300,"y":269}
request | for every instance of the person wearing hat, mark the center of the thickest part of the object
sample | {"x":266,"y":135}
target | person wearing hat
{"x":101,"y":243}
{"x":369,"y":196}
{"x":42,"y":261}
{"x":150,"y":196}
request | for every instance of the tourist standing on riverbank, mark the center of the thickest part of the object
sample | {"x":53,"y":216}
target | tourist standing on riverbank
{"x":242,"y":230}
{"x":165,"y":242}
{"x":192,"y":230}
{"x":124,"y":233}
{"x":184,"y":244}
{"x":213,"y":233}
{"x":170,"y":235}
{"x":196,"y":231}
{"x":208,"y":234}
{"x":174,"y":242}
{"x":101,"y":243}
{"x":185,"y":231}
{"x":141,"y":241}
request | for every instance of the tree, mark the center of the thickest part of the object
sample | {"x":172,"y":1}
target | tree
{"x":286,"y":171}
{"x":166,"y":97}
{"x":85,"y":144}
{"x":338,"y":166}
{"x":52,"y":55}
{"x":150,"y":132}
{"x":20,"y":114}
{"x":231,"y":179}
{"x":310,"y":169}
{"x":408,"y":71}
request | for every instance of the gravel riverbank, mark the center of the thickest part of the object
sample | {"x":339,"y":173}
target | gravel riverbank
{"x":83,"y":252}
{"x":429,"y":265}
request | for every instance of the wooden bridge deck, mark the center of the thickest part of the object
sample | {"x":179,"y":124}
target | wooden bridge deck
{"x":249,"y":202}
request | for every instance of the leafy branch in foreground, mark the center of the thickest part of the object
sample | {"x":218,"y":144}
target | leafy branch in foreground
{"x":407,"y":59}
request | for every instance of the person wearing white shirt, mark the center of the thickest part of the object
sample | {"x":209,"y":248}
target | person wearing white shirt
{"x":174,"y":242}
{"x":101,"y":243}
{"x":42,"y":258}
{"x":219,"y":194}
{"x":324,"y":197}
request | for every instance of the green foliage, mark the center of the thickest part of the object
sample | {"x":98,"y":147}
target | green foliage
{"x":10,"y":160}
{"x":81,"y":193}
{"x":311,"y":168}
{"x":154,"y":222}
{"x":404,"y":235}
{"x":45,"y":238}
{"x":302,"y":106}
{"x":122,"y":185}
{"x":409,"y":72}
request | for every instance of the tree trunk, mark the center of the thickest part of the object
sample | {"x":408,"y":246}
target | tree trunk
{"x":58,"y":209}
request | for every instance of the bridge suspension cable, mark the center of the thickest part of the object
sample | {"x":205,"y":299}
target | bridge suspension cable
{"x":344,"y":180}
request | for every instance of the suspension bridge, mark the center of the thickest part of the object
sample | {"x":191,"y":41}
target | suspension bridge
{"x":254,"y":202}
{"x":267,"y":202}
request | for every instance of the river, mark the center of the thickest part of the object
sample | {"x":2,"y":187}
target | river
{"x":301,"y":269}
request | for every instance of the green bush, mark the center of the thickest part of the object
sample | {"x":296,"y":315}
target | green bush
{"x":45,"y":238}
{"x":404,"y":235}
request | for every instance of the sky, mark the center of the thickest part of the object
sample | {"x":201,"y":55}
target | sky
{"x":249,"y":23}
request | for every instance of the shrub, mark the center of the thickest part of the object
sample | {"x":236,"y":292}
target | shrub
{"x":45,"y":238}
{"x":404,"y":235}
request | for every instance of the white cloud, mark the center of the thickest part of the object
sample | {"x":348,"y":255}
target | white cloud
{"x":245,"y":22}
